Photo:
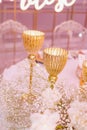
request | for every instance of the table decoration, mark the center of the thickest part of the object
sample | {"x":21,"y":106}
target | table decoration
{"x":83,"y":93}
{"x":33,"y":41}
{"x":83,"y":82}
{"x":78,"y":114}
{"x":54,"y":61}
{"x":55,"y":108}
{"x":84,"y":71}
{"x":18,"y":111}
{"x":16,"y":114}
{"x":81,"y":58}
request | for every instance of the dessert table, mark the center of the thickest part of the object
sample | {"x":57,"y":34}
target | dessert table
{"x":17,"y":114}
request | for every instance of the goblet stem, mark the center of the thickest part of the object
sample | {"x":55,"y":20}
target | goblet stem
{"x":31,"y":75}
{"x":30,"y":96}
{"x":32,"y":62}
{"x":52,"y":80}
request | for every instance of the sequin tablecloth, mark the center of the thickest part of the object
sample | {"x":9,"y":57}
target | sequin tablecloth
{"x":17,"y":114}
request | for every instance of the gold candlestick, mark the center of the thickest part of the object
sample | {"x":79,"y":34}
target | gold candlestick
{"x":33,"y":41}
{"x":84,"y":71}
{"x":83,"y":83}
{"x":54,"y":61}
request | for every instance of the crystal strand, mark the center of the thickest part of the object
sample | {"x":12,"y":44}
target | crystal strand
{"x":63,"y":105}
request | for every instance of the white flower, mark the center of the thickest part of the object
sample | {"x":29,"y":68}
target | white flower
{"x":45,"y":121}
{"x":78,"y":115}
{"x":50,"y":97}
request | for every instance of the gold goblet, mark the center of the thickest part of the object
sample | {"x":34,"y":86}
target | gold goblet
{"x":33,"y":41}
{"x":54,"y":61}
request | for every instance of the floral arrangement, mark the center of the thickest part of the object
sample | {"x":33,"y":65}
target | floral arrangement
{"x":55,"y":109}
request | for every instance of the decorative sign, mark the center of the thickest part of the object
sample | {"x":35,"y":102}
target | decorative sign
{"x":25,"y":4}
{"x":39,"y":4}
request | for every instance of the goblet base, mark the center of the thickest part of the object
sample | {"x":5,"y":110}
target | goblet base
{"x":29,"y":97}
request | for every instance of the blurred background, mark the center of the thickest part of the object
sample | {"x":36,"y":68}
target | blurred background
{"x":13,"y":21}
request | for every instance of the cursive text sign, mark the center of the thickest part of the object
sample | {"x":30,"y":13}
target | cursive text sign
{"x":25,"y":4}
{"x":39,"y":4}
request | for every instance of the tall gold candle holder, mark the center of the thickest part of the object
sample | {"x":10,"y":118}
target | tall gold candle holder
{"x":84,"y":71}
{"x":54,"y":61}
{"x":33,"y":41}
{"x":83,"y":82}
